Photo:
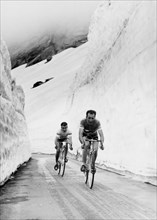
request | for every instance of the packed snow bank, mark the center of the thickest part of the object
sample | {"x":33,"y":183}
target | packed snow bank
{"x":118,"y":80}
{"x":15,"y":145}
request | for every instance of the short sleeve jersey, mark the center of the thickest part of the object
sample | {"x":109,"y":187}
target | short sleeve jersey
{"x":62,"y":135}
{"x":90,"y":129}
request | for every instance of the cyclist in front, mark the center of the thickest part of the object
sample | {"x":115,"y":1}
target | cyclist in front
{"x":63,"y":135}
{"x":90,"y":128}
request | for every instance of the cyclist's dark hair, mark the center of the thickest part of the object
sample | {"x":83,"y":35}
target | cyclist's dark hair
{"x":64,"y":124}
{"x":91,"y":112}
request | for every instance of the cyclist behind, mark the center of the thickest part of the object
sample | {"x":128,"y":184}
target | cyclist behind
{"x":63,"y":135}
{"x":89,"y":129}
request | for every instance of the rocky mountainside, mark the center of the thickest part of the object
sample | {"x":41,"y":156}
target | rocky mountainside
{"x":43,"y":48}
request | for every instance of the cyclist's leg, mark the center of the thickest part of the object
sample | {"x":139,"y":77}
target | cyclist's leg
{"x":85,"y":151}
{"x":58,"y":147}
{"x":58,"y":144}
{"x":94,"y":157}
{"x":57,"y":157}
{"x":66,"y":152}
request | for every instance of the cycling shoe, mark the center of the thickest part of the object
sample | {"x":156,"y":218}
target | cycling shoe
{"x":83,"y":168}
{"x":56,"y":167}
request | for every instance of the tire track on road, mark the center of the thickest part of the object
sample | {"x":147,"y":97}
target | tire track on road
{"x":101,"y":202}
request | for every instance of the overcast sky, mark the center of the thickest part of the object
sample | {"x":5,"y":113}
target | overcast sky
{"x":21,"y":19}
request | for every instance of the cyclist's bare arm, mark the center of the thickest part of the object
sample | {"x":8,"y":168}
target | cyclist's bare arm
{"x":81,"y":135}
{"x":100,"y":132}
{"x":69,"y":139}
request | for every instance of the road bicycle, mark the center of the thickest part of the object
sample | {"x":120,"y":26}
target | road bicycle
{"x":90,"y":169}
{"x":62,"y":159}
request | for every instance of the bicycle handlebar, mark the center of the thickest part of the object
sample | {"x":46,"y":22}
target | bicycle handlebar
{"x":92,"y":140}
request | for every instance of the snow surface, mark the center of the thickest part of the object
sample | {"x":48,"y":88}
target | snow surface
{"x":115,"y":74}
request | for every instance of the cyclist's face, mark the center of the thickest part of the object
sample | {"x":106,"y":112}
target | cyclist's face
{"x":90,"y":117}
{"x":64,"y":128}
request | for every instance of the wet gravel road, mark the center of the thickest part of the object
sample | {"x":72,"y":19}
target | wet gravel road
{"x":37,"y":192}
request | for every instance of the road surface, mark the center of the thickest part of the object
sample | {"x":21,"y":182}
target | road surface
{"x":37,"y":192}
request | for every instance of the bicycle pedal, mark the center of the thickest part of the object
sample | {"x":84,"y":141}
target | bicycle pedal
{"x":83,"y":168}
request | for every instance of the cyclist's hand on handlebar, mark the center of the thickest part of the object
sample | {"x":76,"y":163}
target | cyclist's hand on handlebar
{"x":102,"y":147}
{"x":82,"y":144}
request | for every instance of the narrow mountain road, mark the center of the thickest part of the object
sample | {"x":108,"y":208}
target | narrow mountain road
{"x":37,"y":192}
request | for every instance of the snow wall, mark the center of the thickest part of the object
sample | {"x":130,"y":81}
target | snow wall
{"x":118,"y":80}
{"x":14,"y":142}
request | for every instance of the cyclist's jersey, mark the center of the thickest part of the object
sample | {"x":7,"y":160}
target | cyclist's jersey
{"x":62,"y":136}
{"x":90,"y":129}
